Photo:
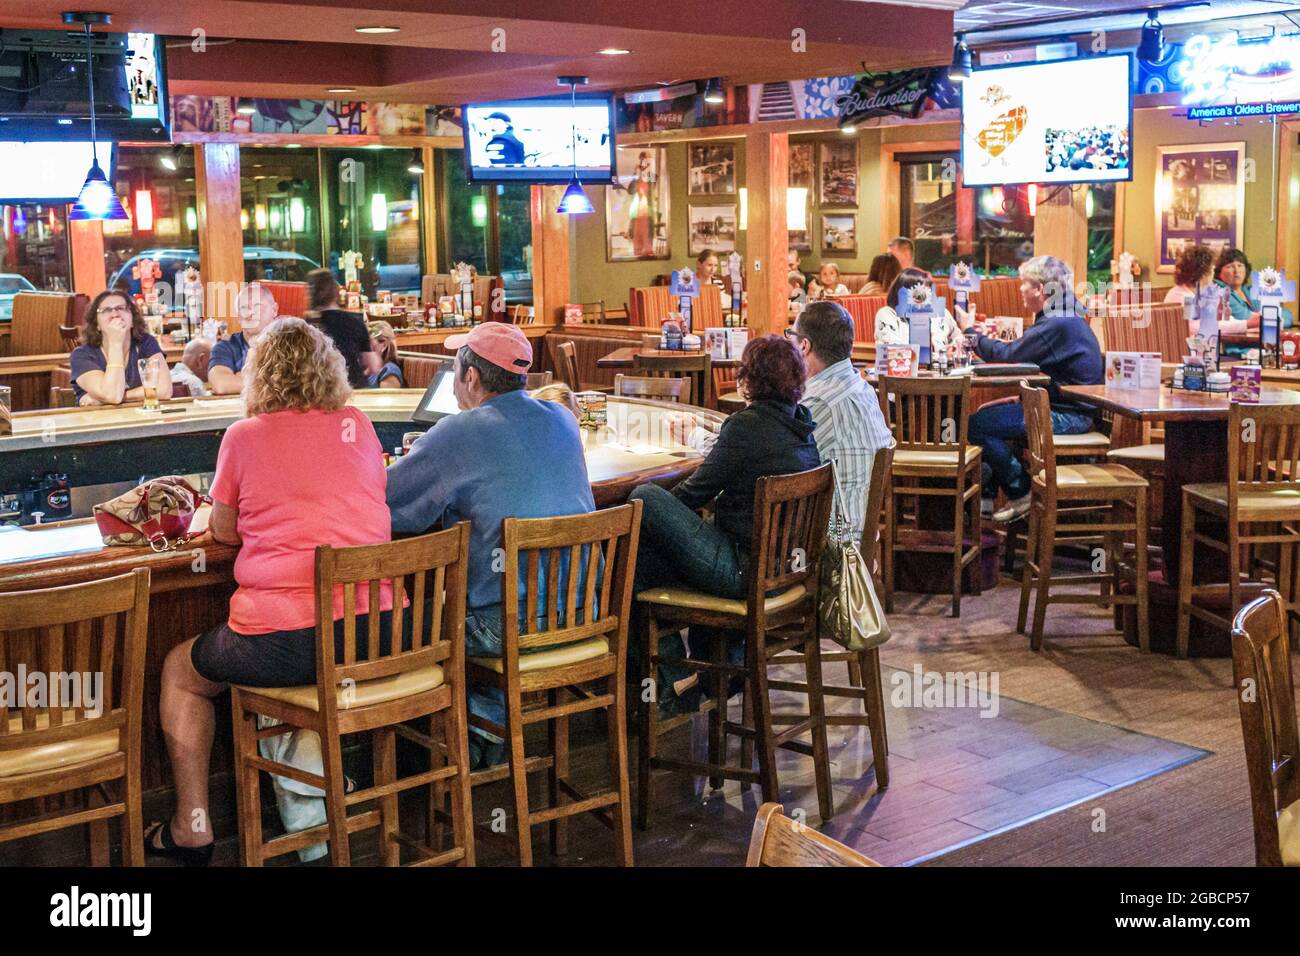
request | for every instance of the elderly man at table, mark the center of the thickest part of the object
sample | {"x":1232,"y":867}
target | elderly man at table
{"x":850,"y":427}
{"x":1061,"y":343}
{"x":505,"y":455}
{"x":192,"y":370}
{"x":257,"y":309}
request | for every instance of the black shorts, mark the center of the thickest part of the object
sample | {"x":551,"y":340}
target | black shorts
{"x":283,"y":658}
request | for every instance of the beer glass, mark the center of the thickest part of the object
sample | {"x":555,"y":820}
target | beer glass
{"x":149,"y":380}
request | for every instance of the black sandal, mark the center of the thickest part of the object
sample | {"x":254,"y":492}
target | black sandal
{"x":187,"y":855}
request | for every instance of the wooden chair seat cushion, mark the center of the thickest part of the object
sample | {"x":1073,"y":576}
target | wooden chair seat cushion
{"x":730,"y":402}
{"x":1138,"y":453}
{"x":1084,"y":440}
{"x":363,"y":693}
{"x":688,"y":597}
{"x":562,"y":655}
{"x":1285,"y":501}
{"x":63,"y":754}
{"x":1097,"y":476}
{"x":1288,"y":833}
{"x":932,"y":459}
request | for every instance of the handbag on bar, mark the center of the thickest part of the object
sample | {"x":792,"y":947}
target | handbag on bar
{"x":157,"y":513}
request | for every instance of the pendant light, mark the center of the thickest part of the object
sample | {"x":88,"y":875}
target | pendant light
{"x":574,"y":201}
{"x":1152,"y":46}
{"x":960,"y":69}
{"x":97,"y":199}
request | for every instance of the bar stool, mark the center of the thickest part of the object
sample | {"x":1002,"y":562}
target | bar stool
{"x":1261,"y":658}
{"x":791,"y":515}
{"x":698,"y":368}
{"x":778,"y":840}
{"x":62,"y":746}
{"x":865,"y":677}
{"x":1262,"y":492}
{"x":929,"y":419}
{"x":566,"y":357}
{"x":382,"y":681}
{"x":564,"y":649}
{"x":1100,"y":487}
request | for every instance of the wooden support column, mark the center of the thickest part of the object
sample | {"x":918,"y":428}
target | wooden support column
{"x":767,"y":173}
{"x":429,"y":210}
{"x":221,"y":240}
{"x":86,"y":245}
{"x":1061,"y":228}
{"x":550,"y":255}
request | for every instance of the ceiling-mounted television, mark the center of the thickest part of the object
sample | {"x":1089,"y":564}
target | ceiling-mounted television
{"x":1062,"y":121}
{"x":44,"y":94}
{"x":530,"y":141}
{"x":49,"y":172}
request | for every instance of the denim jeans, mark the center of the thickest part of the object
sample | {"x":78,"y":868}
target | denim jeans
{"x":483,"y":639}
{"x":995,"y":427}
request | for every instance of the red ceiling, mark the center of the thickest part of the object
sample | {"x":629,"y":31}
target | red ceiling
{"x":445,"y":55}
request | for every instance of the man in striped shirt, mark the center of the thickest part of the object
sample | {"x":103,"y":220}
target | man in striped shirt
{"x":850,"y":426}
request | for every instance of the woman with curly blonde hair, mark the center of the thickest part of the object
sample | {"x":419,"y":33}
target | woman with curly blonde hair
{"x":304,"y":468}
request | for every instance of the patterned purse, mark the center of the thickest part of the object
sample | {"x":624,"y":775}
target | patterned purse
{"x":157,"y":513}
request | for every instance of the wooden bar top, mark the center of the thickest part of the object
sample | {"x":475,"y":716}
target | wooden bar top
{"x":1169,"y":404}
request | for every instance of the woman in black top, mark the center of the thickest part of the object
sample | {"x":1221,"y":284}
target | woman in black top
{"x":345,"y":329}
{"x":773,"y":435}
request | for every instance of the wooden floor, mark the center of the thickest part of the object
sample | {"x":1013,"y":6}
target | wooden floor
{"x":1050,"y":777}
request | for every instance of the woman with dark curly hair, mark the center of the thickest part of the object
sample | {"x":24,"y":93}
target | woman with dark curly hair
{"x":773,"y":435}
{"x":1193,"y":270}
{"x":1232,"y":271}
{"x":114,"y":340}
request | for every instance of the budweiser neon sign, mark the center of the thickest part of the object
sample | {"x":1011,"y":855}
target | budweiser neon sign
{"x":1230,"y":70}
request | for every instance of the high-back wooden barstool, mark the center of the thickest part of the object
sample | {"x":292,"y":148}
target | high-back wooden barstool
{"x":650,"y":386}
{"x":698,"y":368}
{"x":791,"y":515}
{"x":384,"y":679}
{"x":577,"y":658}
{"x":929,"y":418}
{"x":778,"y":840}
{"x":1260,"y":503}
{"x":85,"y":633}
{"x":1265,"y":685}
{"x":1108,"y":488}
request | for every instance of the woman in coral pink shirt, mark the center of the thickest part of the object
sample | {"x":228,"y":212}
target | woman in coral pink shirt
{"x":303,"y":469}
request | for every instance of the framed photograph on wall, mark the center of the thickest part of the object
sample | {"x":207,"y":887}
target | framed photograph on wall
{"x":713,"y":227}
{"x":711,"y":169}
{"x":636,"y":206}
{"x":839,"y":235}
{"x":801,"y":166}
{"x":838,"y":173}
{"x":1200,"y":199}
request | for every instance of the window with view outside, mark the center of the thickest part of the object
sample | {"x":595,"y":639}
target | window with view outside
{"x":162,"y":217}
{"x":465,"y":226}
{"x":34,"y":255}
{"x":374,"y":209}
{"x":280,"y":212}
{"x":490,"y":227}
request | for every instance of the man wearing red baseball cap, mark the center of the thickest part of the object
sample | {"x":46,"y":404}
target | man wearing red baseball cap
{"x":505,"y":455}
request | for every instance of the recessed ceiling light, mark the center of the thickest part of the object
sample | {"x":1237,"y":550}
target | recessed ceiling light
{"x":341,"y":89}
{"x":614,"y":51}
{"x":378,"y":29}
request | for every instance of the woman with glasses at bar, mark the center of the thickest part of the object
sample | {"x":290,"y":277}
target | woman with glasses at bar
{"x":114,"y":340}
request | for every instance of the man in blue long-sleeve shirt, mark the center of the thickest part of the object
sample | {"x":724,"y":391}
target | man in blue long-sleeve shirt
{"x":1061,"y":343}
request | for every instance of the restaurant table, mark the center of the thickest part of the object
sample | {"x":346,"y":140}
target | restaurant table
{"x":626,"y":357}
{"x":1196,"y":450}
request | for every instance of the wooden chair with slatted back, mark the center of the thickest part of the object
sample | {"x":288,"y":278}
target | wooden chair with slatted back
{"x":1265,"y":685}
{"x":539,"y":379}
{"x":593,"y":312}
{"x":791,"y":517}
{"x":566,"y":354}
{"x":1260,"y":502}
{"x":568,"y":641}
{"x":929,"y":419}
{"x":99,"y":630}
{"x":1116,"y":499}
{"x":779,"y":841}
{"x":697,"y":367}
{"x":523,"y":315}
{"x":373,"y":676}
{"x":660,"y":389}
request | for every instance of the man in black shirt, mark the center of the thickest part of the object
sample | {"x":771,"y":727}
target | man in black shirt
{"x":504,"y":148}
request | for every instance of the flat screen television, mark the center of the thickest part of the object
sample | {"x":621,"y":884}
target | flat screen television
{"x":49,"y":172}
{"x":44,"y":95}
{"x":1062,"y":121}
{"x":529,"y":141}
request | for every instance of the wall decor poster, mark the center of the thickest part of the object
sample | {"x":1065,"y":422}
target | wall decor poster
{"x":801,"y":166}
{"x":713,"y":227}
{"x":840,"y":235}
{"x":839,"y":173}
{"x":636,"y":206}
{"x":712,"y":169}
{"x":1200,"y":199}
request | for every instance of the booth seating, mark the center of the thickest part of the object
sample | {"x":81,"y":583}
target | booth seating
{"x":587,"y":350}
{"x":38,"y":317}
{"x":863,"y":309}
{"x":418,"y":369}
{"x":1261,"y":657}
{"x":647,"y":306}
{"x":290,"y":297}
{"x":1157,"y":328}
